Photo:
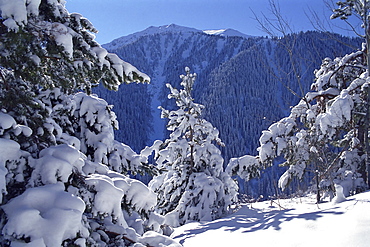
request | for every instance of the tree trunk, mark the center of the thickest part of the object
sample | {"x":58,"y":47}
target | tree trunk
{"x":366,"y":127}
{"x":192,"y":163}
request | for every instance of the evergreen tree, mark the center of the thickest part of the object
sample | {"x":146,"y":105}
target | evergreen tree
{"x":320,"y":136}
{"x":43,"y":47}
{"x":326,"y":134}
{"x":194,"y":185}
{"x":361,"y":10}
{"x":47,"y":46}
{"x":60,"y":167}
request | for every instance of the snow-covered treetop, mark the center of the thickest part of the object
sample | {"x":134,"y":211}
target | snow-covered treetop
{"x":44,"y":44}
{"x":188,"y":110}
{"x":346,"y":8}
{"x":358,"y":8}
{"x":186,"y":123}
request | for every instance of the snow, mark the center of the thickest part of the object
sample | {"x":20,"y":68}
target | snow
{"x":338,"y":113}
{"x":14,"y":13}
{"x":298,"y":222}
{"x":6,"y":121}
{"x":154,"y":239}
{"x":101,"y":53}
{"x":172,"y":28}
{"x":135,"y":191}
{"x":108,"y":197}
{"x":227,"y":33}
{"x":113,"y":188}
{"x":339,"y":197}
{"x":63,"y":37}
{"x":8,"y":150}
{"x":56,"y":164}
{"x":56,"y":213}
{"x":244,"y":167}
{"x":266,"y":151}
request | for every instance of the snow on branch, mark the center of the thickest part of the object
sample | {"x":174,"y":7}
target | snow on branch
{"x":63,"y":47}
{"x":246,"y":167}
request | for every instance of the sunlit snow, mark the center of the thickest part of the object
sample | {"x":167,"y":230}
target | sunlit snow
{"x":288,"y":222}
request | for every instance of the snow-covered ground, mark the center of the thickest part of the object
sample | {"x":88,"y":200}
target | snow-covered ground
{"x":296,"y":222}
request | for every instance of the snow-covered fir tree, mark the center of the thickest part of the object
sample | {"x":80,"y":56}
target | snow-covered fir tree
{"x":193,"y":185}
{"x":325,"y":136}
{"x":43,"y":46}
{"x":321,"y":133}
{"x":62,"y":174}
{"x":361,"y":10}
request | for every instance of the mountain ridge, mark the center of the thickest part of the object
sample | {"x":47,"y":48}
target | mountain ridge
{"x":171,"y":28}
{"x":228,"y":32}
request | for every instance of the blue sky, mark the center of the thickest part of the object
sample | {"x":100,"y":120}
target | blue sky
{"x":116,"y":18}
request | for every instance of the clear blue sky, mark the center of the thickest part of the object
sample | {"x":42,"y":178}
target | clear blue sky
{"x":116,"y":18}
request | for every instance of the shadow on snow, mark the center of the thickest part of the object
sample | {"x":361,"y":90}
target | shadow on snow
{"x":250,"y":219}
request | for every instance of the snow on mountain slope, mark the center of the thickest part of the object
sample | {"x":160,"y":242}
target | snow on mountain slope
{"x":296,"y":222}
{"x":172,"y":28}
{"x":227,"y":33}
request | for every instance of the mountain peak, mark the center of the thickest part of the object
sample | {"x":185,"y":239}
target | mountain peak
{"x":171,"y":28}
{"x":175,"y":28}
{"x":227,"y":33}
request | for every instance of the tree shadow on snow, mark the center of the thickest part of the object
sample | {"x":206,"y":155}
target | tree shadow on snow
{"x":250,"y":220}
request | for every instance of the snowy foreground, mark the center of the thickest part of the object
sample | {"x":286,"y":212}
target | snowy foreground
{"x":298,"y":222}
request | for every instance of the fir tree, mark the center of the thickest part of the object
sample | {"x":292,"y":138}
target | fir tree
{"x":361,"y":10}
{"x":326,"y":134}
{"x":320,"y":136}
{"x":57,"y":146}
{"x":43,"y":47}
{"x":194,"y":185}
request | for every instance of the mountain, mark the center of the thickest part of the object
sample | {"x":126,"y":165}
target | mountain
{"x":167,"y":29}
{"x":245,"y":83}
{"x":172,"y":28}
{"x":163,"y":52}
